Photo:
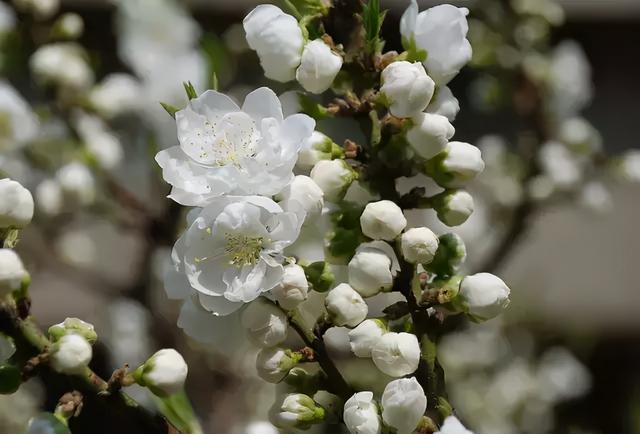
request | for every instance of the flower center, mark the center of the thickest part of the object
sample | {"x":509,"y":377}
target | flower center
{"x":242,"y":249}
{"x":232,"y":143}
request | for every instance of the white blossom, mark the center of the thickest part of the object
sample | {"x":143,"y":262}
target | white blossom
{"x":304,"y":194}
{"x":273,"y":364}
{"x":16,"y":204}
{"x":441,"y":32}
{"x":365,"y":336}
{"x":63,"y":64}
{"x":403,"y":404}
{"x":18,"y":124}
{"x":458,"y":164}
{"x":103,"y":144}
{"x":7,"y":19}
{"x":297,"y":411}
{"x":444,"y":103}
{"x":596,"y":197}
{"x":225,"y":149}
{"x":77,"y":182}
{"x":419,"y":245}
{"x":561,"y":375}
{"x":293,"y":289}
{"x":484,"y":295}
{"x":260,"y":427}
{"x":407,"y":88}
{"x":265,"y":324}
{"x":396,"y":354}
{"x":570,"y":79}
{"x":382,"y":220}
{"x":164,"y":373}
{"x":346,"y":306}
{"x":70,"y":26}
{"x":115,"y":94}
{"x":429,"y":134}
{"x":278,"y":40}
{"x":71,"y":354}
{"x":452,"y":425}
{"x":319,"y":67}
{"x":560,"y":165}
{"x":455,"y":207}
{"x":361,"y":414}
{"x":630,"y":165}
{"x":333,"y":177}
{"x":48,"y":197}
{"x":315,"y":148}
{"x":12,"y":271}
{"x":42,"y":9}
{"x":373,"y":268}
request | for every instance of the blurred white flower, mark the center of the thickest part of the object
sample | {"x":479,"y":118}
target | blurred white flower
{"x":77,"y":182}
{"x":117,"y":93}
{"x":396,"y":354}
{"x":7,"y":19}
{"x":16,"y":204}
{"x":570,"y":79}
{"x":346,"y":306}
{"x":403,"y":404}
{"x":48,"y":197}
{"x":103,"y":144}
{"x":319,"y":67}
{"x":561,"y":376}
{"x":265,"y":324}
{"x":63,"y":64}
{"x":407,"y":88}
{"x":42,"y":9}
{"x":452,"y":425}
{"x":361,"y":414}
{"x":12,"y":271}
{"x":429,"y":134}
{"x":560,"y":165}
{"x":18,"y":123}
{"x":77,"y":248}
{"x":596,"y":197}
{"x":630,"y":165}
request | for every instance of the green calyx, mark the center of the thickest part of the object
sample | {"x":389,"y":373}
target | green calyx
{"x":319,"y":276}
{"x":73,"y":325}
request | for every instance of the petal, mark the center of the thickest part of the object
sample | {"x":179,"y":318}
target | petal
{"x":408,"y":21}
{"x":212,"y":104}
{"x":218,"y":305}
{"x":263,"y":103}
{"x":295,"y":130}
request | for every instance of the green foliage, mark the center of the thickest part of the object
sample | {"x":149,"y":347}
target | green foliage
{"x":372,"y":20}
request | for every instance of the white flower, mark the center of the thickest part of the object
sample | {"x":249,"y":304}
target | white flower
{"x":16,"y":204}
{"x":260,"y":427}
{"x":429,"y":134}
{"x":278,"y":40}
{"x":580,"y":136}
{"x":419,"y":245}
{"x":319,"y":67}
{"x":373,"y":268}
{"x":116,"y":93}
{"x":49,"y":198}
{"x":7,"y":19}
{"x":77,"y":181}
{"x":71,"y":354}
{"x":484,"y":295}
{"x":361,"y":414}
{"x":63,"y":64}
{"x":630,"y":165}
{"x":333,"y":177}
{"x":454,"y":207}
{"x":382,"y":220}
{"x":304,"y":194}
{"x":452,"y":425}
{"x":18,"y":123}
{"x":403,"y":404}
{"x":297,"y":411}
{"x":164,"y":373}
{"x":559,"y":164}
{"x":444,"y":103}
{"x":315,"y":148}
{"x":265,"y":324}
{"x":458,"y":164}
{"x":232,"y":250}
{"x":570,"y":79}
{"x":596,"y":197}
{"x":273,"y":364}
{"x":12,"y":271}
{"x":396,"y":354}
{"x":293,"y":289}
{"x":225,"y":149}
{"x":441,"y":31}
{"x":69,"y":26}
{"x":103,"y":145}
{"x":561,"y":376}
{"x":407,"y":88}
{"x":346,"y":306}
{"x":364,"y":337}
{"x":42,"y":9}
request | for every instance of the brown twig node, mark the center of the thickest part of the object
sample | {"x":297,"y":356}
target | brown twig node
{"x":70,"y":404}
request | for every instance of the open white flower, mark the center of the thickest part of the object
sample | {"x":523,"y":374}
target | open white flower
{"x":407,"y":88}
{"x":396,"y":354}
{"x":232,"y":251}
{"x":373,"y":268}
{"x":452,"y":425}
{"x":319,"y":67}
{"x":403,"y":404}
{"x":429,"y":134}
{"x":225,"y":149}
{"x":361,"y":414}
{"x":441,"y":31}
{"x":18,"y":123}
{"x":16,"y":204}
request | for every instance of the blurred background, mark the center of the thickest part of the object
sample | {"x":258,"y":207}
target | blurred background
{"x":565,"y":357}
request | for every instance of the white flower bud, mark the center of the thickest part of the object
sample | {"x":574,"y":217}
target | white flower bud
{"x":63,"y":64}
{"x":163,"y":373}
{"x":458,"y":164}
{"x":382,"y":220}
{"x":293,"y":289}
{"x":278,"y":40}
{"x":483,"y":296}
{"x":452,"y":425}
{"x":12,"y":272}
{"x":297,"y":411}
{"x":444,"y":103}
{"x":454,"y":207}
{"x":71,"y":354}
{"x":273,"y":364}
{"x":49,"y":197}
{"x":396,"y":354}
{"x":77,"y":182}
{"x":407,"y":87}
{"x":373,"y":268}
{"x":429,"y":134}
{"x":69,"y":26}
{"x":365,"y":336}
{"x":403,"y":403}
{"x":419,"y":245}
{"x":333,"y":177}
{"x":316,"y":148}
{"x":306,"y":193}
{"x":361,"y":414}
{"x":346,"y":306}
{"x":266,"y":324}
{"x":319,"y":67}
{"x":16,"y":204}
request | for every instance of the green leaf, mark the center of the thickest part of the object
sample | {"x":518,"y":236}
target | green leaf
{"x":172,"y":110}
{"x":372,"y":20}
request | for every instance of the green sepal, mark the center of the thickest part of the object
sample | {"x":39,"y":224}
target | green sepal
{"x":190,"y":90}
{"x":172,"y":110}
{"x":319,"y":276}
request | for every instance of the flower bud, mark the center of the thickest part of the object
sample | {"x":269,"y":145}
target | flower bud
{"x":452,"y":425}
{"x":453,"y":207}
{"x":297,"y":411}
{"x":49,"y":197}
{"x":449,"y":256}
{"x":429,"y":134}
{"x":306,"y":193}
{"x":316,"y":148}
{"x":333,"y":177}
{"x":273,"y":364}
{"x":365,"y":336}
{"x":361,"y":414}
{"x":293,"y":289}
{"x":278,"y":40}
{"x":77,"y":182}
{"x":403,"y":403}
{"x":382,"y":220}
{"x":458,"y":164}
{"x":12,"y":272}
{"x":396,"y":354}
{"x":42,"y":9}
{"x":16,"y":204}
{"x":71,"y":354}
{"x":407,"y":88}
{"x":265,"y":323}
{"x":68,"y":26}
{"x":346,"y":306}
{"x":73,"y":325}
{"x":331,"y":403}
{"x":319,"y":67}
{"x":483,"y":296}
{"x":163,"y":373}
{"x":319,"y":276}
{"x":419,"y":245}
{"x":444,"y":103}
{"x":373,"y":268}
